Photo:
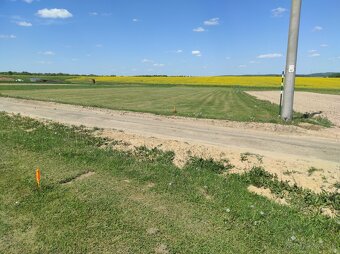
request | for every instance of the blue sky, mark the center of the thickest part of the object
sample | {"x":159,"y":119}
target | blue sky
{"x":173,"y":37}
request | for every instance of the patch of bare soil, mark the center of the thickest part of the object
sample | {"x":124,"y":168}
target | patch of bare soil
{"x":267,"y":193}
{"x":152,"y":231}
{"x":308,"y":102}
{"x":78,"y":178}
{"x":150,"y":185}
{"x":292,"y":169}
{"x":162,"y":249}
{"x":329,"y":212}
{"x":6,"y":79}
{"x":205,"y":193}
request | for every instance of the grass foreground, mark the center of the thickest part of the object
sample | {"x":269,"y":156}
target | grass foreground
{"x":136,"y":202}
{"x":189,"y":101}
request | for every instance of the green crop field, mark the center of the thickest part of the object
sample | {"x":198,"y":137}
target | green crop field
{"x":191,"y":101}
{"x":140,"y":202}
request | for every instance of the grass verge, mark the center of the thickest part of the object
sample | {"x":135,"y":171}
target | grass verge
{"x":135,"y":202}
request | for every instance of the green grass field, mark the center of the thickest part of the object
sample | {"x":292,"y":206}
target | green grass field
{"x":191,"y":101}
{"x":139,"y":202}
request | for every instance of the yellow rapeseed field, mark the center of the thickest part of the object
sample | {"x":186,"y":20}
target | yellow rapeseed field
{"x":251,"y":81}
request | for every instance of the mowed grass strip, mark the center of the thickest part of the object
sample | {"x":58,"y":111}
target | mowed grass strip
{"x":201,"y":102}
{"x":134,"y":204}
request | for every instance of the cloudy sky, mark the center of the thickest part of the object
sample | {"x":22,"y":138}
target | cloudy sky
{"x":173,"y":37}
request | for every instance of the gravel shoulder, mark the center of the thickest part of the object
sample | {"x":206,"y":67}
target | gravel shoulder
{"x":288,"y":151}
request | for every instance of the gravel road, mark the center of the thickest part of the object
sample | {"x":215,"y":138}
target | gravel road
{"x":203,"y":132}
{"x":283,"y":148}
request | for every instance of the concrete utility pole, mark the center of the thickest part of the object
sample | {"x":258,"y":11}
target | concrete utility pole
{"x":288,"y":95}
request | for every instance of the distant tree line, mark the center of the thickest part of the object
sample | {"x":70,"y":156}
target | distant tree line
{"x":10,"y":73}
{"x":323,"y":75}
{"x":46,"y":74}
{"x":36,"y":74}
{"x":150,"y":76}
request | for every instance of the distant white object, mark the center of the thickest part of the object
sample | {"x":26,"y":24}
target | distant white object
{"x":19,"y":80}
{"x":35,"y":79}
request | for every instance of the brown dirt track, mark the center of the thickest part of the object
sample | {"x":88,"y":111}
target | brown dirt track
{"x":288,"y":151}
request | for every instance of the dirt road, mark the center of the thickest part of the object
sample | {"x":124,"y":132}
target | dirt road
{"x":286,"y":144}
{"x":308,"y":102}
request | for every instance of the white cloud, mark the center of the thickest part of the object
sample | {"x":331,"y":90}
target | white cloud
{"x":196,"y":53}
{"x":24,"y":23}
{"x":212,"y":22}
{"x":104,"y":14}
{"x":28,"y":1}
{"x":135,"y":20}
{"x":54,"y":13}
{"x":44,"y":62}
{"x":242,"y":66}
{"x":199,"y":30}
{"x":7,"y":36}
{"x":324,"y":45}
{"x":158,"y":65}
{"x":272,"y":55}
{"x":178,"y":51}
{"x":278,"y":12}
{"x":314,"y":55}
{"x":317,"y":28}
{"x":99,"y":45}
{"x":145,"y":60}
{"x":47,"y":53}
{"x":228,"y":58}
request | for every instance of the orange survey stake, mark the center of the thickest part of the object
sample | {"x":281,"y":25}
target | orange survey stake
{"x":37,"y":177}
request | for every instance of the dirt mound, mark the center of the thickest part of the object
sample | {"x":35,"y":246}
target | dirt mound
{"x":292,"y":169}
{"x":6,"y":79}
{"x":267,"y":193}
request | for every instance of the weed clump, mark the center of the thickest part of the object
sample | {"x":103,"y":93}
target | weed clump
{"x":143,"y":153}
{"x":312,"y":170}
{"x":302,"y":198}
{"x":211,"y":165}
